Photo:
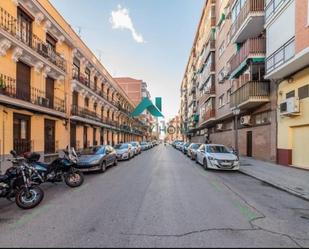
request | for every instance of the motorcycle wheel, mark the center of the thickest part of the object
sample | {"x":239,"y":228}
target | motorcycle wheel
{"x":29,"y":199}
{"x":74,"y":179}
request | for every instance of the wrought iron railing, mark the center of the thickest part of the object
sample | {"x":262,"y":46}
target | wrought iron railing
{"x":32,"y":95}
{"x":12,"y":25}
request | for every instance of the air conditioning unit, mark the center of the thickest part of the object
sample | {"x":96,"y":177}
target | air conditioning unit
{"x":219,"y":127}
{"x":223,"y":75}
{"x":43,"y":101}
{"x":245,"y":120}
{"x":290,"y":107}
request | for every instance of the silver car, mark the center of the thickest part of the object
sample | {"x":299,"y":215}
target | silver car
{"x":216,"y":156}
{"x":124,"y":151}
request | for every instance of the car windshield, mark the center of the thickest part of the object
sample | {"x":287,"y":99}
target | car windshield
{"x":143,"y":143}
{"x":217,"y":149}
{"x":121,"y":146}
{"x":195,"y":146}
{"x":93,"y":150}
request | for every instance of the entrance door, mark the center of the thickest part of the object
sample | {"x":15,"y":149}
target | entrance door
{"x":75,"y":103}
{"x":95,"y":137}
{"x":21,"y":133}
{"x":73,"y":135}
{"x":102,"y":136}
{"x":23,"y":79}
{"x":300,"y":147}
{"x":249,"y":143}
{"x":49,"y":144}
{"x":85,"y":137}
{"x":49,"y":89}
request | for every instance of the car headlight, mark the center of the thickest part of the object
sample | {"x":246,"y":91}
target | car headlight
{"x":211,"y":158}
{"x":125,"y":154}
{"x":96,"y":161}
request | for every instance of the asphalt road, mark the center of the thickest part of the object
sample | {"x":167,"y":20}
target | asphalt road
{"x":160,"y":199}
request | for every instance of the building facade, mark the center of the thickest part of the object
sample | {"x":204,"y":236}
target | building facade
{"x":53,"y":90}
{"x":287,"y":65}
{"x":173,"y":130}
{"x":228,"y":69}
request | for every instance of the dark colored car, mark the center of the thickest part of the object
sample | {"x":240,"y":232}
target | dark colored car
{"x":192,"y":150}
{"x":97,"y":158}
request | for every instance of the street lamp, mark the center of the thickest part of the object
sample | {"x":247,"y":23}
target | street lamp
{"x":236,"y":113}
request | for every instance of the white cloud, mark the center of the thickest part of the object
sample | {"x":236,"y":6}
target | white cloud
{"x":120,"y":19}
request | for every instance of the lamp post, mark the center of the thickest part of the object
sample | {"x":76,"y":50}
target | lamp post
{"x":236,"y":113}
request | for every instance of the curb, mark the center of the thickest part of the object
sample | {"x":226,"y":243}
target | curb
{"x":277,"y":186}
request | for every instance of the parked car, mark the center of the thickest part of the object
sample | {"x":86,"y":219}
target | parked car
{"x":179,"y":145}
{"x":137,"y":147}
{"x":216,"y":156}
{"x":97,"y":158}
{"x":144,"y":146}
{"x":185,"y":147}
{"x":124,"y":151}
{"x":192,"y":150}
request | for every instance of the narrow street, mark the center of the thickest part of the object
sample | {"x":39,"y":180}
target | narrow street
{"x":160,"y":198}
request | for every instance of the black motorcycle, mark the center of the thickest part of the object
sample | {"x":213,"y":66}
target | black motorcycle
{"x":17,"y":183}
{"x":59,"y":170}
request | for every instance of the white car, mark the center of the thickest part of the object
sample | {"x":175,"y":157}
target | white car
{"x":216,"y":156}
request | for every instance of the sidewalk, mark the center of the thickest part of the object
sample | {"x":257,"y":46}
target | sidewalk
{"x":292,"y":180}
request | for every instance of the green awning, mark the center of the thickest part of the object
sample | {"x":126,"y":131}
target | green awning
{"x":238,"y":70}
{"x":196,"y":117}
{"x":256,"y":60}
{"x":221,"y":19}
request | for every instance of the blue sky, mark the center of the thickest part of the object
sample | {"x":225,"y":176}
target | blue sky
{"x":155,"y":46}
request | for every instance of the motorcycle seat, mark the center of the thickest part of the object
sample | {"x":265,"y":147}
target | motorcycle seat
{"x":3,"y":177}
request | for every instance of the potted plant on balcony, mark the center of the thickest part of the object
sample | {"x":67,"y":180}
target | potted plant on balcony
{"x":2,"y":86}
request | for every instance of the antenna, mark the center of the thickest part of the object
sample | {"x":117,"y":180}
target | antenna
{"x":79,"y":31}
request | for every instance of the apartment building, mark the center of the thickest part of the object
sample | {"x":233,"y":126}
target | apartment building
{"x":287,"y":64}
{"x":229,"y":53}
{"x":53,"y":90}
{"x":137,"y":90}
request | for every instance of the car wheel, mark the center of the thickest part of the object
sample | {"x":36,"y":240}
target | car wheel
{"x":116,"y":162}
{"x":205,"y":165}
{"x":196,"y":160}
{"x":103,"y":167}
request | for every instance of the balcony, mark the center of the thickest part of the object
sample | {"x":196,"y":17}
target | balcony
{"x":10,"y":26}
{"x":273,"y":7}
{"x":85,"y":113}
{"x":250,"y":95}
{"x":21,"y":97}
{"x":82,"y":83}
{"x":208,"y":116}
{"x":249,"y":21}
{"x":252,"y":48}
{"x":284,"y":62}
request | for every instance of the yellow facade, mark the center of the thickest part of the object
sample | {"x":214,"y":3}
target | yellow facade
{"x":293,"y":132}
{"x":21,"y":47}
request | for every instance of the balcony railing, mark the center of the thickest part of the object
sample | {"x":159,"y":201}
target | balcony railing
{"x":93,"y":87}
{"x":12,"y":25}
{"x":207,"y":115}
{"x":250,"y":6}
{"x":252,"y":47}
{"x":252,"y":91}
{"x":85,"y":113}
{"x":32,"y":95}
{"x":281,"y":56}
{"x":22,"y":145}
{"x":272,"y":7}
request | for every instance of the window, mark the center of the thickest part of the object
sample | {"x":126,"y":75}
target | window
{"x":222,"y":48}
{"x":228,"y":96}
{"x":263,"y":118}
{"x":258,"y":72}
{"x":51,"y":42}
{"x":87,"y":72}
{"x":24,"y":23}
{"x":76,"y":69}
{"x":221,"y":100}
{"x":303,"y":92}
{"x":290,"y":94}
{"x":86,"y":102}
{"x":95,"y":82}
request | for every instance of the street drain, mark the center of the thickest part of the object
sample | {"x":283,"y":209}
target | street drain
{"x":299,"y":189}
{"x":304,"y":217}
{"x":245,"y":164}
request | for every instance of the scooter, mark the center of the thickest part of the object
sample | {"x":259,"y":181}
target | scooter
{"x":59,"y":170}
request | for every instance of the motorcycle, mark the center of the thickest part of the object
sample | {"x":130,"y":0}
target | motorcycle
{"x":59,"y":170}
{"x":16,"y":182}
